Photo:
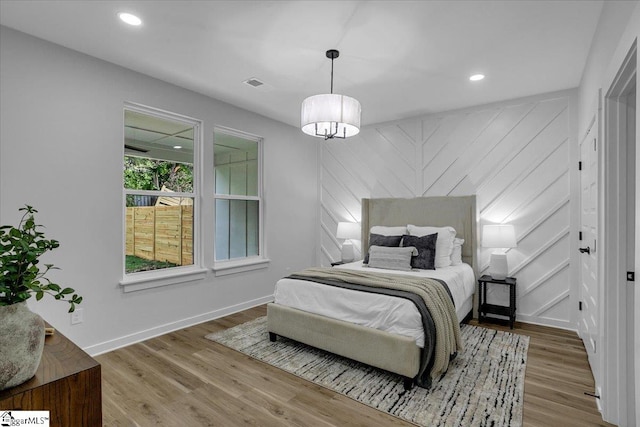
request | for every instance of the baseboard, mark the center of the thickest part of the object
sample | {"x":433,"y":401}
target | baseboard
{"x":97,"y":349}
{"x":560,"y":324}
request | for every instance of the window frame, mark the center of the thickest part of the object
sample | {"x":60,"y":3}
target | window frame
{"x":180,"y":274}
{"x":247,"y":263}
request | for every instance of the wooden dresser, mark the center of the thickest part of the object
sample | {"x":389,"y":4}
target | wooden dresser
{"x":67,"y":384}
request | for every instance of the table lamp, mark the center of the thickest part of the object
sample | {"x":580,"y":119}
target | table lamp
{"x":348,"y":231}
{"x":499,"y":237}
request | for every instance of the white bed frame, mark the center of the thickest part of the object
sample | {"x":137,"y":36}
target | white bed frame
{"x":394,"y":353}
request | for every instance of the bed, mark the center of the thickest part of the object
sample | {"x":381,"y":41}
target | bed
{"x":380,"y":330}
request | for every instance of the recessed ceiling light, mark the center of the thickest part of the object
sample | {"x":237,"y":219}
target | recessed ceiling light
{"x":177,"y":147}
{"x":476,"y":77}
{"x":130,"y":19}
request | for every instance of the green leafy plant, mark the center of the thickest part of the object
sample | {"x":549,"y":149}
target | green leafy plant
{"x":21,"y":276}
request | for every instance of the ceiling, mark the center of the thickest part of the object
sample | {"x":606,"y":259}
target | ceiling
{"x":398,"y":58}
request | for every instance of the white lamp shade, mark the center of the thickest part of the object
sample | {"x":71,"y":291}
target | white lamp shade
{"x":348,"y":230}
{"x":498,"y":236}
{"x":321,"y":113}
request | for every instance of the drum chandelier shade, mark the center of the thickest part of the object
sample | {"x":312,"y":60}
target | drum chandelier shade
{"x":330,"y":115}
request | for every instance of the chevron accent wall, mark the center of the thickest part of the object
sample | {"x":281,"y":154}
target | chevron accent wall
{"x":514,"y":156}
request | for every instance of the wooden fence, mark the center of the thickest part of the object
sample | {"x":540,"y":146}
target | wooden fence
{"x":160,"y":233}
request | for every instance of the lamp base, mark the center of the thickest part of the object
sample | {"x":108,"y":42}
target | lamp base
{"x":347,"y":251}
{"x":498,"y":268}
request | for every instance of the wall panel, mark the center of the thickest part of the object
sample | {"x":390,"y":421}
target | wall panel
{"x":514,"y":156}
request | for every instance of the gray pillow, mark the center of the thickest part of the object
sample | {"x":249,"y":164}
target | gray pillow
{"x":426,"y":246}
{"x":380,"y":240}
{"x":391,"y":258}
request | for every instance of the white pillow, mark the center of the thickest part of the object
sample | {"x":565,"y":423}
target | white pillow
{"x":456,"y":253}
{"x":391,"y":258}
{"x":444,"y":243}
{"x":388,"y":231}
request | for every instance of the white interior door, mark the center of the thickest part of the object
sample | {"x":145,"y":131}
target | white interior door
{"x":588,"y":260}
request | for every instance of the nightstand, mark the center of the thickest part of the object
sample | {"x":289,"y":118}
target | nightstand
{"x":485,"y":308}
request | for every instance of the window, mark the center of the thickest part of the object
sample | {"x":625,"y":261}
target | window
{"x":238,"y":196}
{"x":160,"y":191}
{"x":162,"y":177}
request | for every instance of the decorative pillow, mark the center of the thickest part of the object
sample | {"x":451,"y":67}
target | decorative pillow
{"x":382,"y":240}
{"x":391,"y":258}
{"x":426,"y":246}
{"x":444,"y":245}
{"x":456,"y":253}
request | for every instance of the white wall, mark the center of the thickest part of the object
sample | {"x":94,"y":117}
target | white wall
{"x":618,"y":28}
{"x":515,"y":156}
{"x":61,"y":148}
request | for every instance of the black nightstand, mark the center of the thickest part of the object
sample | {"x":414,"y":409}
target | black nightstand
{"x":485,"y":308}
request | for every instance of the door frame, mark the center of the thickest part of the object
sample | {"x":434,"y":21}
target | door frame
{"x":615,"y":400}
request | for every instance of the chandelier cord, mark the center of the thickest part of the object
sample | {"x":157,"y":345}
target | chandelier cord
{"x":331,"y":75}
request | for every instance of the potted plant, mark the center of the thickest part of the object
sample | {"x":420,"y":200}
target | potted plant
{"x":21,"y":330}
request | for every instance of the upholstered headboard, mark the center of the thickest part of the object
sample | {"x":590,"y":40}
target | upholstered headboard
{"x":458,"y":212}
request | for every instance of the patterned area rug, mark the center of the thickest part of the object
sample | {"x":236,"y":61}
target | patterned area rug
{"x":483,"y":387}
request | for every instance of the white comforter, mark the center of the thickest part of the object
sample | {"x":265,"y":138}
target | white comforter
{"x":391,"y":314}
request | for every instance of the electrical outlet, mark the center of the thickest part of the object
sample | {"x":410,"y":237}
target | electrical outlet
{"x":77,"y":316}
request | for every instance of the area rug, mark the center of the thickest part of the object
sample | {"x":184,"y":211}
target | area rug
{"x":484,"y":385}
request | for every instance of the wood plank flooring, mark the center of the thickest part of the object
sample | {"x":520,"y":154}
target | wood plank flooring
{"x":182,"y":379}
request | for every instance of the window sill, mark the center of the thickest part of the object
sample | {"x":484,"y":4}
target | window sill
{"x":155,"y":279}
{"x":224,"y":268}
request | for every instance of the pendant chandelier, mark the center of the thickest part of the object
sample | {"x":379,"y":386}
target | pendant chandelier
{"x":331,"y":115}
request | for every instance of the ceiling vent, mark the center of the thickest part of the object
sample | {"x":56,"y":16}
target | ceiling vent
{"x":253,"y":82}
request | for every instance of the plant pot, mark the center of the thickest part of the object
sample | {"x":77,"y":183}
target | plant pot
{"x":21,"y":344}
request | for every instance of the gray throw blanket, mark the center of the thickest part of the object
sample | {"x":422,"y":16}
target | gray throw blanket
{"x":434,"y":294}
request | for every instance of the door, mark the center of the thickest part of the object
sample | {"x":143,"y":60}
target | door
{"x":588,"y":316}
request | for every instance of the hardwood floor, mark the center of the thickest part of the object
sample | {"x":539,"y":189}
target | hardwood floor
{"x":183,"y":379}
